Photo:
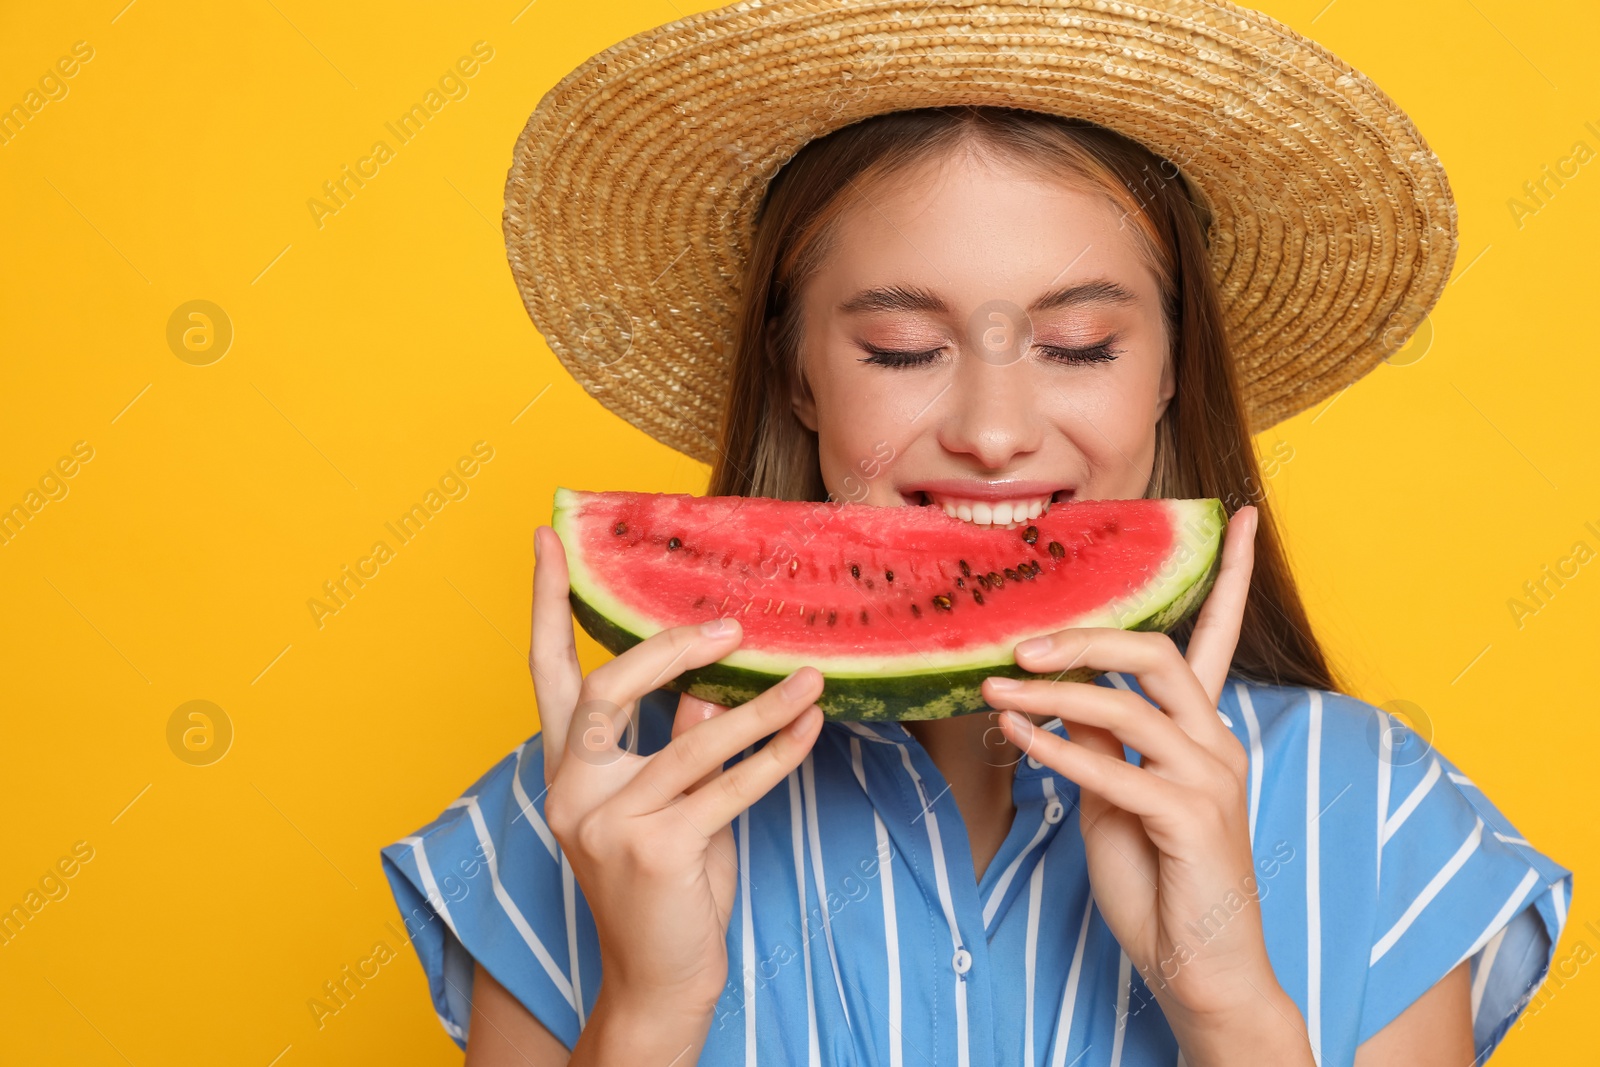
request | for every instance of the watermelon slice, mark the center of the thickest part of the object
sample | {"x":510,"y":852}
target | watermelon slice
{"x":904,"y":610}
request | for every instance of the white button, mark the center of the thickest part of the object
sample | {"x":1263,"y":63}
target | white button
{"x":1053,"y":812}
{"x":1034,"y":763}
{"x":961,"y":961}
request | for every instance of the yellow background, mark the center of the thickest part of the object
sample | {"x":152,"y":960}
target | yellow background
{"x":372,"y":352}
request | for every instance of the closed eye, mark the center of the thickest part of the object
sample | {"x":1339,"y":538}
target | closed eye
{"x":885,"y":357}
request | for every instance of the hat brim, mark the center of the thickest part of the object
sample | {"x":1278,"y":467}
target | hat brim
{"x":631,"y":194}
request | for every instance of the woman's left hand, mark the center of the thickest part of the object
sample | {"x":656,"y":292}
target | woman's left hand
{"x":1168,"y":841}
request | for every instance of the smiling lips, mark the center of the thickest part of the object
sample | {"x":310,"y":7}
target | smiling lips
{"x":998,"y":504}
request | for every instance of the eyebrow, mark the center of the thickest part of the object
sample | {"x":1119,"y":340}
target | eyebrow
{"x":904,"y":298}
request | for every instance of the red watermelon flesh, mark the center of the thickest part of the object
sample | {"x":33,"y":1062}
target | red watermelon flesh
{"x":903,"y":609}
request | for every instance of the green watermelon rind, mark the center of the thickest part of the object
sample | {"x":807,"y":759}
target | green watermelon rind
{"x":884,"y":694}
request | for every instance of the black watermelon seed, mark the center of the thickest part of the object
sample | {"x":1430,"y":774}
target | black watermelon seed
{"x":983,"y":580}
{"x":965,"y":570}
{"x":833,"y":617}
{"x":1034,"y":566}
{"x":674,"y":544}
{"x":916,"y":612}
{"x":863,"y":616}
{"x":995,"y":581}
{"x":961,"y":583}
{"x":1056,"y":550}
{"x":1011,"y":574}
{"x":888,"y":576}
{"x":1026,"y":572}
{"x":1031,"y":534}
{"x":977,"y":596}
{"x":812,"y":621}
{"x":941,"y":602}
{"x":855,"y":571}
{"x":620,"y":528}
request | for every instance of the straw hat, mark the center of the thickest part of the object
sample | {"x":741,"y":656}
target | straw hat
{"x":632,"y":191}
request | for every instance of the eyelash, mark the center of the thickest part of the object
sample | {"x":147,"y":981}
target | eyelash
{"x":1100,"y":353}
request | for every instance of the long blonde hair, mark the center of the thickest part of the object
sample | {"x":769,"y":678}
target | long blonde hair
{"x":1203,"y":445}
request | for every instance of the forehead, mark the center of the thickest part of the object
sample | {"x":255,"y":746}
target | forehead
{"x":975,"y":228}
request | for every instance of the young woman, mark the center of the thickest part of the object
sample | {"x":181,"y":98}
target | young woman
{"x":1208,"y":855}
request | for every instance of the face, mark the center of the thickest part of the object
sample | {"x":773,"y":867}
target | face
{"x":984,"y":340}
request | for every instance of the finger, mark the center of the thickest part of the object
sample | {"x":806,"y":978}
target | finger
{"x":721,"y":800}
{"x":1130,"y":718}
{"x":691,"y":712}
{"x":1216,"y":630}
{"x":553,"y":652}
{"x":617,"y":684}
{"x":704,"y":748}
{"x":1128,"y":787}
{"x":1152,"y":658}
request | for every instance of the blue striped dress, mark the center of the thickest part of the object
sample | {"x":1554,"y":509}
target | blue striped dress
{"x":861,"y":935}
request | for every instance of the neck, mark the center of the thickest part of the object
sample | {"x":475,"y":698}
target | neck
{"x":979,"y":764}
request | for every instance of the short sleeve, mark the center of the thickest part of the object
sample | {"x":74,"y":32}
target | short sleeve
{"x":486,"y":881}
{"x":1456,"y":881}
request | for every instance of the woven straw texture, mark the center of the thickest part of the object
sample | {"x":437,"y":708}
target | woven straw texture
{"x":631,"y":194}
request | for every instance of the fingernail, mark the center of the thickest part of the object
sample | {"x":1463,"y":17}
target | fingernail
{"x":1005,"y":685}
{"x":1034,"y":646}
{"x":1016,"y":719}
{"x":794,"y":685}
{"x":719,"y":627}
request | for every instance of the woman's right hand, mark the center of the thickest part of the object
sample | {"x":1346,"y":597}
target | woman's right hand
{"x":649,"y":837}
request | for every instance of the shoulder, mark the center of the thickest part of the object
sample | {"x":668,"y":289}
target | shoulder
{"x":1405,"y":867}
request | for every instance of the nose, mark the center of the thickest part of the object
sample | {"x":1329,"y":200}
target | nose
{"x":991,"y":412}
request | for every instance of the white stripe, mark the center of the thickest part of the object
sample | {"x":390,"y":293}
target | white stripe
{"x":1124,"y":981}
{"x":1385,"y":774}
{"x":1253,"y":728}
{"x":430,"y":888}
{"x":1512,"y":840}
{"x":540,"y":953}
{"x":1485,"y":966}
{"x":891,"y":928}
{"x":796,"y":833}
{"x":1403,"y":812}
{"x":747,"y":944}
{"x":1030,"y":958}
{"x":1501,"y":918}
{"x":942,"y":879}
{"x":1004,"y":882}
{"x":808,"y":779}
{"x":451,"y":1028}
{"x":1429,"y":891}
{"x":1314,"y":877}
{"x":569,"y":892}
{"x":1558,"y":894}
{"x":1461,"y":779}
{"x":1119,"y":681}
{"x":863,"y":730}
{"x":530,"y":812}
{"x":1069,"y":996}
{"x":569,"y":898}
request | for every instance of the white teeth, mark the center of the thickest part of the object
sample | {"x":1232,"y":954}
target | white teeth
{"x":1005,"y":514}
